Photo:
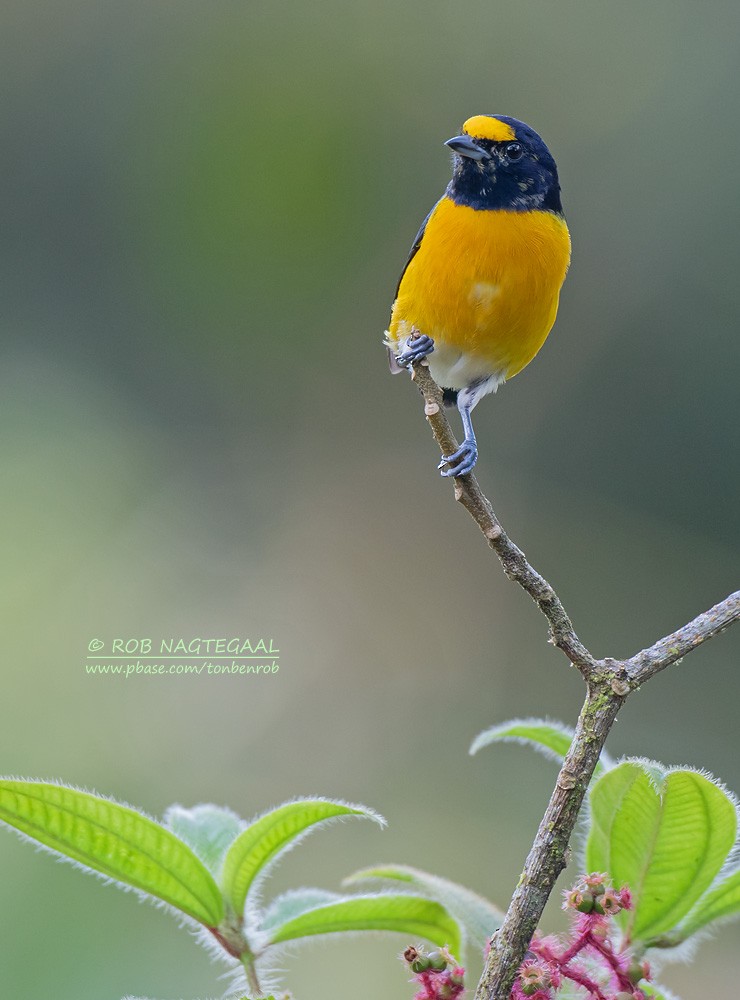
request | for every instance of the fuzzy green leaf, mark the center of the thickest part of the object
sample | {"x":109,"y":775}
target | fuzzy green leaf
{"x":552,"y":739}
{"x":664,"y":833}
{"x":656,"y":992}
{"x":208,"y":829}
{"x":292,"y":903}
{"x":263,"y":841}
{"x":720,"y":903}
{"x":114,"y":840}
{"x":406,"y":914}
{"x":476,"y":915}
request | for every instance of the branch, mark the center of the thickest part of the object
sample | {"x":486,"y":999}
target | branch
{"x":548,"y":855}
{"x":609,"y":683}
{"x":513,"y":560}
{"x":645,"y":664}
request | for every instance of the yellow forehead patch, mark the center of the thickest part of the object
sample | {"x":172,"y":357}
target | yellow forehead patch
{"x":484,"y":127}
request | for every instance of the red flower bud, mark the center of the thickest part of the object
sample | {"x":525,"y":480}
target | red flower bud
{"x":625,"y":898}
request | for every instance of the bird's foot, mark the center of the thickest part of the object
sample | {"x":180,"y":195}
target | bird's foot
{"x":418,"y":346}
{"x":462,"y":461}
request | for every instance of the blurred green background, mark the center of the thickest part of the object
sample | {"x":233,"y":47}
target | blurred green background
{"x":205,"y":208}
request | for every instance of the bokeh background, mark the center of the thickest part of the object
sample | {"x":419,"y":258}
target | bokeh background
{"x":205,"y":208}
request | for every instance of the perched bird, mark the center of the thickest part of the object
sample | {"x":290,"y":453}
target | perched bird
{"x":480,"y":289}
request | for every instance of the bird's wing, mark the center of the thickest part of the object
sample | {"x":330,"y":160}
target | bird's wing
{"x":393,"y":364}
{"x":413,"y":250}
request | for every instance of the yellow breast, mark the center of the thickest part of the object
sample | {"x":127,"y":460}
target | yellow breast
{"x":484,"y":285}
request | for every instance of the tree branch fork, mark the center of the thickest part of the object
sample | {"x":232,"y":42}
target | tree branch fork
{"x":609,"y":683}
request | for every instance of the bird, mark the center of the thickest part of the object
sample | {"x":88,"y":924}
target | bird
{"x":480,"y":289}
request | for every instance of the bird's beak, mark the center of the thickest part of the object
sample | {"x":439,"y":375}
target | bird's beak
{"x":466,"y":146}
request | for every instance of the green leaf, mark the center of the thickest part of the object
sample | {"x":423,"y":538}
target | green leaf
{"x":477,"y":916}
{"x":208,"y":829}
{"x":664,"y":833}
{"x":720,"y":903}
{"x":115,"y":841}
{"x":263,"y":841}
{"x":406,"y":914}
{"x":656,"y":992}
{"x":552,"y":739}
{"x":292,"y":903}
{"x":270,"y":997}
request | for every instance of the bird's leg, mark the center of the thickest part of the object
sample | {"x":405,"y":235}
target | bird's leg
{"x":418,"y":346}
{"x":461,"y":462}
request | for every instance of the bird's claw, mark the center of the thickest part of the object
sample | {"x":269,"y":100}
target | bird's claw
{"x":461,"y":462}
{"x":418,"y":346}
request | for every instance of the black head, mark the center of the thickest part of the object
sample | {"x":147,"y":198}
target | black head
{"x":501,"y":163}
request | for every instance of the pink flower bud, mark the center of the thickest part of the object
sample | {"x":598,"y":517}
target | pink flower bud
{"x":596,"y":882}
{"x":535,"y":975}
{"x":610,"y":902}
{"x":578,"y":899}
{"x":625,"y":898}
{"x":571,"y":898}
{"x":417,"y":959}
{"x":447,"y":985}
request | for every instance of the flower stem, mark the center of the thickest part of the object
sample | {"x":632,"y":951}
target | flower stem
{"x":247,"y":960}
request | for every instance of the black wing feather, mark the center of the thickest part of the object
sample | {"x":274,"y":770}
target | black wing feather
{"x":393,"y":364}
{"x":413,"y":251}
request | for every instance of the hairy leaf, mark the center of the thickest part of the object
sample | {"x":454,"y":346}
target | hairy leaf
{"x":664,"y":833}
{"x":115,"y":841}
{"x":406,"y":914}
{"x":656,"y":992}
{"x":552,"y":739}
{"x":721,"y":903}
{"x":476,"y":915}
{"x":208,"y":829}
{"x":263,"y":841}
{"x":292,"y":903}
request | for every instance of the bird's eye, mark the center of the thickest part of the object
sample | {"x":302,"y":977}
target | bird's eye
{"x":514,"y":150}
